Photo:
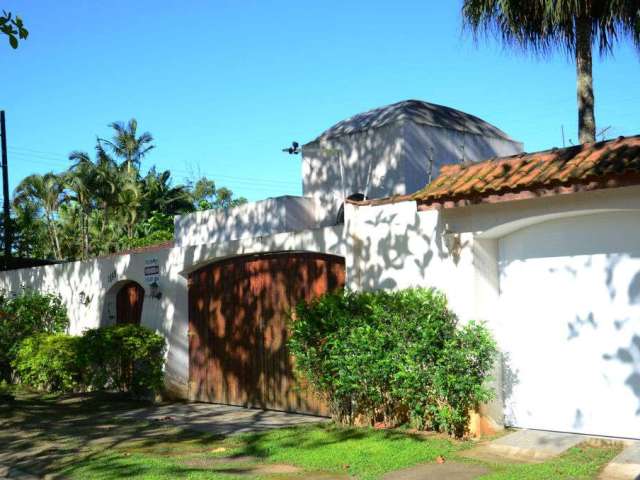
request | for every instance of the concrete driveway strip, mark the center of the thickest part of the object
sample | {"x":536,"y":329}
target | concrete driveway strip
{"x":626,"y":466}
{"x":220,"y":419}
{"x":527,"y":446}
{"x":445,"y":471}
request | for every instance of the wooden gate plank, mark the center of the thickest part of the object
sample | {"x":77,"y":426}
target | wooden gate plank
{"x":238,"y":317}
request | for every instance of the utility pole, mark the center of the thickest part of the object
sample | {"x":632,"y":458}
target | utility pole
{"x":5,"y":189}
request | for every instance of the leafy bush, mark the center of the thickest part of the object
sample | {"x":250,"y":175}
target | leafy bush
{"x":125,"y":358}
{"x":50,"y":362}
{"x":26,"y":314}
{"x":393,"y":356}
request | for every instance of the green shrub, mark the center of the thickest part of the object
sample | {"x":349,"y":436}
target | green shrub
{"x":124,"y":358}
{"x":393,"y":356}
{"x":50,"y":362}
{"x":26,"y":314}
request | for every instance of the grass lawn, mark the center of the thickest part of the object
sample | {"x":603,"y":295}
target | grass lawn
{"x":582,"y":462}
{"x":317,"y":450}
{"x":80,"y":437}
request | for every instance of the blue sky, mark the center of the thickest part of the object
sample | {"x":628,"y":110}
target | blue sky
{"x":224,"y":85}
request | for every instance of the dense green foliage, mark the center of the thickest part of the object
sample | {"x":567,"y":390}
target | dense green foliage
{"x":106,"y":204}
{"x":49,"y":362}
{"x":26,"y":314}
{"x":122,"y":358}
{"x":392,"y":357}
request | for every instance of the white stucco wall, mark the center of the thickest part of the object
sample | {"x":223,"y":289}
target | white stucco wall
{"x":568,"y":323}
{"x":390,"y":160}
{"x":100,"y":278}
{"x":261,"y":218}
{"x":370,"y":164}
{"x":460,"y":251}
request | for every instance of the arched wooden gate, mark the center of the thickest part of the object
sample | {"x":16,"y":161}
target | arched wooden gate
{"x":238,"y":311}
{"x":129,"y":301}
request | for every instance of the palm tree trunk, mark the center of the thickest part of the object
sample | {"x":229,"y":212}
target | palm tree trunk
{"x":53,"y":234}
{"x":86,"y":236}
{"x":584,"y":70}
{"x":56,"y":238}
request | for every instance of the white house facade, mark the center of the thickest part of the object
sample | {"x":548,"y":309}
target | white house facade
{"x":544,"y":247}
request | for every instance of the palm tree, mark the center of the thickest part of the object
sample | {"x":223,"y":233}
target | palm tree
{"x":81,"y":181}
{"x":570,"y":25}
{"x":46,"y":193}
{"x":127,"y":145}
{"x":160,"y":196}
{"x":107,"y":180}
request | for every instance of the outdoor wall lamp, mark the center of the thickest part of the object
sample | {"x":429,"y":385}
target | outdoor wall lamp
{"x":84,"y":298}
{"x":155,"y":291}
{"x":453,"y":242}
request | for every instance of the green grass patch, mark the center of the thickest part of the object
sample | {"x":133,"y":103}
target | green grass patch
{"x":361,"y":452}
{"x":84,"y":439}
{"x":578,"y":463}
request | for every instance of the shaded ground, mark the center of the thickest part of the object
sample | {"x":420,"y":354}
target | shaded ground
{"x":98,"y":437}
{"x":219,"y":419}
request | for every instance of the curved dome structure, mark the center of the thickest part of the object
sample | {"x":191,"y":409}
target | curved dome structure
{"x":395,"y":150}
{"x":417,"y":111}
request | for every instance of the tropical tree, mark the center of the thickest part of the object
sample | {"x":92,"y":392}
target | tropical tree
{"x":31,"y":237}
{"x":100,"y":205}
{"x":45,"y":192}
{"x":573,"y":26}
{"x":107,"y":182}
{"x":158,"y":195}
{"x":127,"y":144}
{"x":129,"y":200}
{"x":207,"y":196}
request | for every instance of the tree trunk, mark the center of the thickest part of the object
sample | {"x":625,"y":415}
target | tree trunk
{"x":584,"y":70}
{"x":53,"y":236}
{"x":86,"y":236}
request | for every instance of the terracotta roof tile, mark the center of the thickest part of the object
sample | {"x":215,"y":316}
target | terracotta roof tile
{"x":562,"y":167}
{"x":146,"y":249}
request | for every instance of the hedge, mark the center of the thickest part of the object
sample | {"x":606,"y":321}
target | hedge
{"x":394,"y":357}
{"x":122,"y":358}
{"x":23,"y":315}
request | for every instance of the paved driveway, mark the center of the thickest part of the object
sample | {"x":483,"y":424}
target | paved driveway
{"x":220,"y":419}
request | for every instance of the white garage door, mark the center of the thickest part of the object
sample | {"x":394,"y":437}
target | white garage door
{"x":569,"y":325}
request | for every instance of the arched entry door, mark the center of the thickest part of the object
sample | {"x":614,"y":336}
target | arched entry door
{"x":129,"y":302}
{"x":238,"y":313}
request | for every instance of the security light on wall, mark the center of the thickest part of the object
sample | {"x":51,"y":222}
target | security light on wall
{"x":155,"y":291}
{"x":294,"y":149}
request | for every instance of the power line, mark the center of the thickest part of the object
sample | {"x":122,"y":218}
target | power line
{"x":248,"y":181}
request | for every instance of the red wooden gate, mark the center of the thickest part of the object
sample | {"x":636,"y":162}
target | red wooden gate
{"x":238,"y":310}
{"x":129,"y":300}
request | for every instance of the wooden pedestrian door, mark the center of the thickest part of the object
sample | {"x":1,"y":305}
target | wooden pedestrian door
{"x":129,"y":300}
{"x":238,"y":314}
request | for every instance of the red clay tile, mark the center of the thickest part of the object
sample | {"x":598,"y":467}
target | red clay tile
{"x":552,"y":168}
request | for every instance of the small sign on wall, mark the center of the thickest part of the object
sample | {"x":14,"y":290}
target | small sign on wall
{"x":151,"y":270}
